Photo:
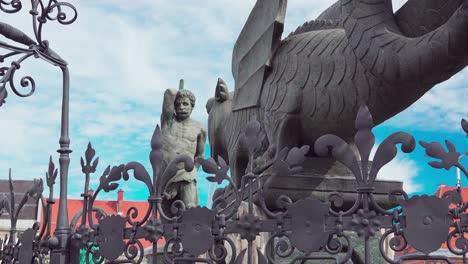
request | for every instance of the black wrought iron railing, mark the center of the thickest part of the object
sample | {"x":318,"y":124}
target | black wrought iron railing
{"x":296,"y":230}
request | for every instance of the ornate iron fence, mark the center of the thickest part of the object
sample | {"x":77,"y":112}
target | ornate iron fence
{"x":308,"y":226}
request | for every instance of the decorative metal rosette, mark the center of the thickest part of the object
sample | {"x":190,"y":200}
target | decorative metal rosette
{"x":365,"y":223}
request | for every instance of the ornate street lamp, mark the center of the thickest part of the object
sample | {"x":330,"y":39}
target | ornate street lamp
{"x":23,"y":48}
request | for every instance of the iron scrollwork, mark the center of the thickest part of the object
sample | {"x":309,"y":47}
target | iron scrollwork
{"x":15,"y":48}
{"x":306,"y":229}
{"x":24,"y":47}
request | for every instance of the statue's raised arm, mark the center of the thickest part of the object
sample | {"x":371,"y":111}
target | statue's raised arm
{"x":167,"y":113}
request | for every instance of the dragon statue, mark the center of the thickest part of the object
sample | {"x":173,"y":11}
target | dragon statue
{"x":313,"y":81}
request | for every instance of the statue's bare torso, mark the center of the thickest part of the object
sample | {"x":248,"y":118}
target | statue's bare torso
{"x":181,"y":138}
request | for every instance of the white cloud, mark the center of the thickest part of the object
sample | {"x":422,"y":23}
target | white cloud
{"x":441,"y":108}
{"x":399,"y":169}
{"x":404,"y":170}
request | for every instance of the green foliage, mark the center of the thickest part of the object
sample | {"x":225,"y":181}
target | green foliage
{"x":83,"y":255}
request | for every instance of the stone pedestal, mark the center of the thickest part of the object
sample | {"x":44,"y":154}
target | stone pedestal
{"x":319,"y":178}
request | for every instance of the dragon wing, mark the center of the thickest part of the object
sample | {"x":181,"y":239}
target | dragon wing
{"x":256,"y":44}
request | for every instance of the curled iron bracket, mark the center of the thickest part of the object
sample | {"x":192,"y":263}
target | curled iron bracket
{"x":20,"y":46}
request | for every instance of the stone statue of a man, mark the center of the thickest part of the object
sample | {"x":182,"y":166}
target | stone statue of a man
{"x":181,"y":136}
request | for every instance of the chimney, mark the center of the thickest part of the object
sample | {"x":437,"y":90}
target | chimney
{"x":120,"y":195}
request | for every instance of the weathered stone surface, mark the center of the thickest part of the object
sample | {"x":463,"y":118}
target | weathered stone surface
{"x":319,"y":182}
{"x":254,"y":47}
{"x":181,"y":136}
{"x":318,"y":77}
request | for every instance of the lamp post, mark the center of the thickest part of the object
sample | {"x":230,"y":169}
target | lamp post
{"x":41,"y":12}
{"x":62,"y":231}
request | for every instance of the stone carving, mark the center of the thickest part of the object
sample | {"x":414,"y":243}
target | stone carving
{"x":313,"y":82}
{"x":181,"y":136}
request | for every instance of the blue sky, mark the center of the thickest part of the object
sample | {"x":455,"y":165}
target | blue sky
{"x":124,"y":54}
